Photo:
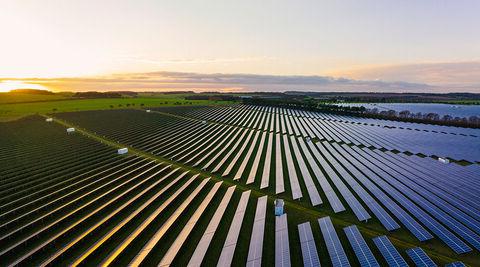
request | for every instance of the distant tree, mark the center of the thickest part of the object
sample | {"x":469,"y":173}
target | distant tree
{"x":404,"y":114}
{"x":119,"y":105}
{"x":392,"y":113}
{"x":111,"y":106}
{"x":127,"y":104}
{"x":432,"y":116}
{"x":54,"y":109}
{"x":473,"y":119}
{"x":447,"y":118}
{"x":141,"y":104}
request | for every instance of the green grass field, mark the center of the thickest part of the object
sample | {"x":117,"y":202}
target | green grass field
{"x":12,"y":111}
{"x":7,"y":98}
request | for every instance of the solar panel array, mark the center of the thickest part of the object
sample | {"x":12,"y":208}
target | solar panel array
{"x":97,"y":211}
{"x":84,"y":204}
{"x":413,"y":137}
{"x":262,"y":146}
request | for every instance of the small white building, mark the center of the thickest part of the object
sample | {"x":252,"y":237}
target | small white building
{"x":204,"y":122}
{"x":148,"y":111}
{"x":122,"y":151}
{"x":279,"y":207}
{"x":70,"y":130}
{"x":48,"y":119}
{"x":444,"y":160}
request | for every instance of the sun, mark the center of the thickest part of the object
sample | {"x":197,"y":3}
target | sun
{"x":7,"y":85}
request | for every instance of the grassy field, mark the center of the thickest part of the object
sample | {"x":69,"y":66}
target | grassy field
{"x":12,"y":111}
{"x":7,"y":98}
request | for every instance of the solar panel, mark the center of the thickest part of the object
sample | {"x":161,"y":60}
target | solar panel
{"x":389,"y":252}
{"x":420,"y":258}
{"x":256,"y":160}
{"x":292,"y":174}
{"x":334,"y":247}
{"x":315,"y":198}
{"x":279,"y":183}
{"x":256,"y":242}
{"x":268,"y":162}
{"x":307,"y":243}
{"x":228,"y":250}
{"x":282,"y":249}
{"x":362,"y":251}
{"x":455,"y":264}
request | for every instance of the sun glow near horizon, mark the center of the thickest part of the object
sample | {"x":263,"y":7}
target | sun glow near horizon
{"x":8,"y":85}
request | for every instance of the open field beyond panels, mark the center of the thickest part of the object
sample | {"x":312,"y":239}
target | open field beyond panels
{"x":51,"y":104}
{"x":199,"y":183}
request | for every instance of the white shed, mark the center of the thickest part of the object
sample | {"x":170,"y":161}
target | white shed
{"x":444,"y":160}
{"x":48,"y":119}
{"x":148,"y":111}
{"x":122,"y":151}
{"x":70,"y":130}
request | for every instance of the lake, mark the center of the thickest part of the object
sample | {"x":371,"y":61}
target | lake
{"x":440,"y":109}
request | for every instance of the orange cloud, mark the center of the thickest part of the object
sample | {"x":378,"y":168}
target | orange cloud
{"x":168,"y":81}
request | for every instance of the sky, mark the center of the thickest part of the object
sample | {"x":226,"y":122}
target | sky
{"x":328,"y":45}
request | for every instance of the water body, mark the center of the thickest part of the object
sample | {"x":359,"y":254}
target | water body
{"x":440,"y":109}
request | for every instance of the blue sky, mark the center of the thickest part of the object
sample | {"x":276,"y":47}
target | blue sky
{"x":362,"y":40}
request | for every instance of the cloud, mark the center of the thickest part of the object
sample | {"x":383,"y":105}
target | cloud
{"x":164,"y":62}
{"x":167,"y":80}
{"x":455,"y":75}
